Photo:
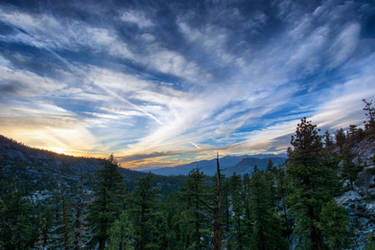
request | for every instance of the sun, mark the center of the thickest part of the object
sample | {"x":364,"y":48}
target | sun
{"x":57,"y":150}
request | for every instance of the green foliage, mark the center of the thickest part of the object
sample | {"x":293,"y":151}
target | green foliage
{"x":121,"y":233}
{"x":350,"y":168}
{"x":328,"y":140}
{"x":196,"y":195}
{"x":312,"y":182}
{"x":235,"y":187}
{"x":370,"y":114}
{"x":335,"y":224}
{"x":340,"y":138}
{"x":281,"y":196}
{"x":226,"y":205}
{"x":179,"y":222}
{"x":60,"y":233}
{"x":17,"y":225}
{"x":370,"y":242}
{"x":108,"y":202}
{"x":145,"y":211}
{"x":266,"y":229}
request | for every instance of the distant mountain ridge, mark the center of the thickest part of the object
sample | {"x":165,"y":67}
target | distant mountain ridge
{"x":240,"y":164}
{"x":247,"y":165}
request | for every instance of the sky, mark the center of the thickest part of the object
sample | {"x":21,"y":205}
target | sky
{"x":160,"y":83}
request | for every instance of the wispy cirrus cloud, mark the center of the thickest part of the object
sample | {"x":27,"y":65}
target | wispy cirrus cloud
{"x":169,"y":84}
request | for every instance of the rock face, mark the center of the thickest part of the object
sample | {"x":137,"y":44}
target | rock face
{"x":360,"y":204}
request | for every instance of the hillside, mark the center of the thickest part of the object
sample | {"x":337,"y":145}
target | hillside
{"x":45,"y":168}
{"x":14,"y":153}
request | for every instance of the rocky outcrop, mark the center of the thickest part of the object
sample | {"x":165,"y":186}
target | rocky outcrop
{"x":360,"y":204}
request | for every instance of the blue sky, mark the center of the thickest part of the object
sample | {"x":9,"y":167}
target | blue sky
{"x":159,"y":83}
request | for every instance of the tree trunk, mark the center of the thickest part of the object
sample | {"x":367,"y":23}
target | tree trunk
{"x":239,"y":234}
{"x":78,"y":233}
{"x":226,"y":212}
{"x":197,"y":233}
{"x":143,"y":222}
{"x":187,"y":242}
{"x":65,"y":219}
{"x":101,"y":244}
{"x":217,"y":216}
{"x":122,"y":237}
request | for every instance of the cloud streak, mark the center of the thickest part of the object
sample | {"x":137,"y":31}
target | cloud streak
{"x":165,"y":85}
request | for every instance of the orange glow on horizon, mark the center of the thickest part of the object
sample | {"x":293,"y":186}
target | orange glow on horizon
{"x":57,"y":150}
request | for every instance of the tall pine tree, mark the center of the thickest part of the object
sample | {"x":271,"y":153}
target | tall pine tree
{"x":108,"y":202}
{"x":312,"y":184}
{"x":145,"y":209}
{"x":196,"y":195}
{"x":237,"y":210}
{"x":266,"y":230}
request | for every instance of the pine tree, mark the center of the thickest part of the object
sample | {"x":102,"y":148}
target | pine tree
{"x":200,"y":209}
{"x":56,"y":230}
{"x":350,"y":169}
{"x":226,"y":206}
{"x":270,"y":165}
{"x":328,"y":140}
{"x":247,"y":214}
{"x":180,"y":220}
{"x":45,"y":210}
{"x":144,"y":200}
{"x":312,"y":184}
{"x":108,"y":202}
{"x":335,"y":225}
{"x":122,"y":233}
{"x":16,"y":222}
{"x":354,"y":134}
{"x":269,"y":173}
{"x":370,"y":114}
{"x":66,"y":217}
{"x":80,"y":221}
{"x":370,"y":242}
{"x":237,"y":210}
{"x":281,"y":193}
{"x":160,"y":230}
{"x":340,"y":139}
{"x":266,"y":230}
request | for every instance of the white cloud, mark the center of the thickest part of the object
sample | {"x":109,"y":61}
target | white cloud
{"x":345,"y":44}
{"x":211,"y":38}
{"x":28,"y":83}
{"x":308,"y":52}
{"x":137,"y":18}
{"x":171,"y":62}
{"x":343,"y":105}
{"x":45,"y":31}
